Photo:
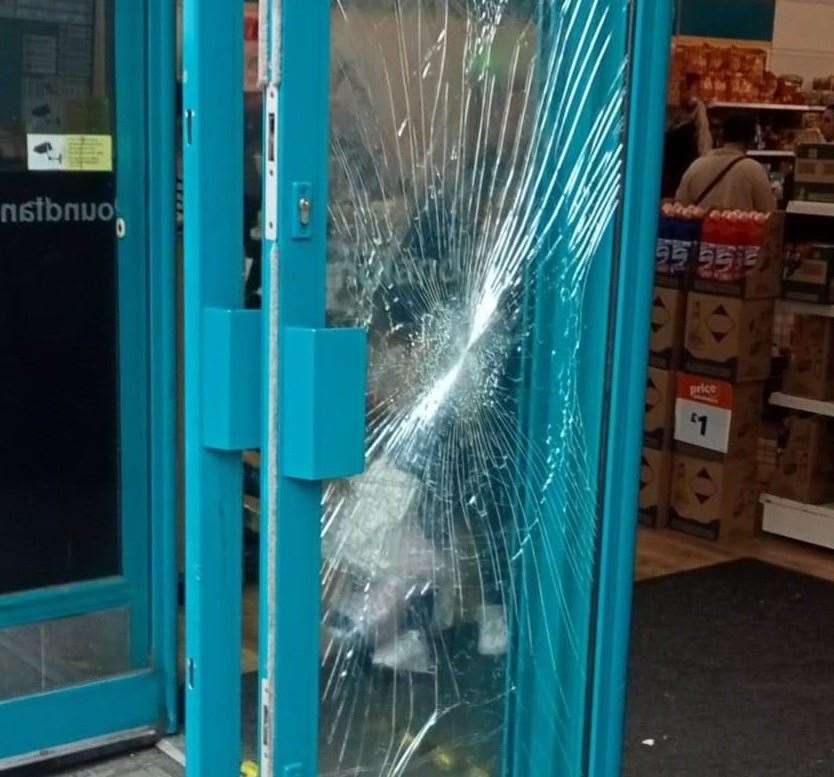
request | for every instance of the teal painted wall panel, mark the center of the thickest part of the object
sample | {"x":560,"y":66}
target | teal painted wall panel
{"x":745,"y":19}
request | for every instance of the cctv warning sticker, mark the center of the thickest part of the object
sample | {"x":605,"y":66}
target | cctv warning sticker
{"x":70,"y":153}
{"x":704,"y":412}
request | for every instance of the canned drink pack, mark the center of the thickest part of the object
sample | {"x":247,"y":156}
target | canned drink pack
{"x":731,"y":244}
{"x":678,"y":238}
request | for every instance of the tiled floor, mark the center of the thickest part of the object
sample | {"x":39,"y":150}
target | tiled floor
{"x":148,"y":763}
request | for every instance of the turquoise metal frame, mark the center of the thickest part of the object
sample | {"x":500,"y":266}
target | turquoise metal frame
{"x":547,"y":729}
{"x":651,"y":31}
{"x":213,"y":279}
{"x":147,"y":298}
{"x":294,"y":295}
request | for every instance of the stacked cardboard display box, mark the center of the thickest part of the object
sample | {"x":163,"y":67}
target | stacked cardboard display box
{"x":805,"y":472}
{"x":667,"y":327}
{"x":712,"y":333}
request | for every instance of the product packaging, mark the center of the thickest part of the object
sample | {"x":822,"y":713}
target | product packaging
{"x":658,"y":429}
{"x":809,"y":273}
{"x":806,"y":466}
{"x":728,"y":338}
{"x":668,"y":326}
{"x":740,"y":254}
{"x":810,"y":372}
{"x":713,"y":499}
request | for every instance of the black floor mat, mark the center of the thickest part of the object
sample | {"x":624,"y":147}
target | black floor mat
{"x":732,"y":674}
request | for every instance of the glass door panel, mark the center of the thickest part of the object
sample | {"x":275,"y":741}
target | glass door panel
{"x":83,"y":314}
{"x":59,"y":400}
{"x":475,"y":175}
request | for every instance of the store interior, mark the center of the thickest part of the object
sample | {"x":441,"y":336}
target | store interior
{"x":736,"y":534}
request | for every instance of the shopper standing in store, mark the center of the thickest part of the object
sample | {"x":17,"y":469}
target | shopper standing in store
{"x":688,"y":135}
{"x":727,"y":179}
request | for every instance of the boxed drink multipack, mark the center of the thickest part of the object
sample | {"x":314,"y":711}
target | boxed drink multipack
{"x":678,"y":241}
{"x":741,"y":254}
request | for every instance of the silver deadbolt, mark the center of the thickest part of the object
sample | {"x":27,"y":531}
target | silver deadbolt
{"x":305,"y":206}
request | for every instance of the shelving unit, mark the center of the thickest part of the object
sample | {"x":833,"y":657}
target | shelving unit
{"x":767,"y":107}
{"x":806,"y":308}
{"x":780,"y":399}
{"x":798,"y":521}
{"x":803,"y":208}
{"x":771,"y":154}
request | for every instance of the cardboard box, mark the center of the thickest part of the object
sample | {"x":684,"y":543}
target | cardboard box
{"x":808,"y":275}
{"x":655,"y":486}
{"x":763,"y":280}
{"x":806,"y":467}
{"x":814,"y":172}
{"x":713,"y":499}
{"x":728,"y":338}
{"x":659,"y":423}
{"x":810,"y":372}
{"x":715,"y":419}
{"x":668,"y":324}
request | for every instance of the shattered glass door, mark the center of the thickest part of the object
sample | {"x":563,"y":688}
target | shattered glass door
{"x":475,"y":176}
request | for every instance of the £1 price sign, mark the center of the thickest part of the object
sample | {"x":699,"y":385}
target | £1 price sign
{"x":704,"y":412}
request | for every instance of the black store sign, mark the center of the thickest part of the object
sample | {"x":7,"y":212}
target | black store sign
{"x":58,"y":379}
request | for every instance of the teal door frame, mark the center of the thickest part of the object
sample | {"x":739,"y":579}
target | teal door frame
{"x":213,"y":296}
{"x":650,"y":35}
{"x":144,"y":700}
{"x":220,"y":336}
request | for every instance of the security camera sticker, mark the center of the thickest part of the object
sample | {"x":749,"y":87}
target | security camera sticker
{"x":70,"y":153}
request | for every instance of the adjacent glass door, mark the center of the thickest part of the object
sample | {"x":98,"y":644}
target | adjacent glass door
{"x":450,"y":181}
{"x":86,"y":394}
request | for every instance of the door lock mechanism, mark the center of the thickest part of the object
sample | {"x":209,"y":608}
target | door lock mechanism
{"x":304,"y":208}
{"x":302,"y":227}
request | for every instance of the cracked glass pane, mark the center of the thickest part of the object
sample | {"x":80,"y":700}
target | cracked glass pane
{"x":472,"y":183}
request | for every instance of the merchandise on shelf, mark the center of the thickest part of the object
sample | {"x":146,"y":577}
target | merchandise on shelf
{"x":733,"y":74}
{"x":814,"y":172}
{"x":740,"y":254}
{"x":810,"y":372}
{"x":679,"y":236}
{"x":823,"y":91}
{"x":806,"y":466}
{"x":767,"y":455}
{"x":809,"y":273}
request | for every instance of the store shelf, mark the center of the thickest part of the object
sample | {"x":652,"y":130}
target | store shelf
{"x":803,"y":208}
{"x":767,"y":107}
{"x":771,"y":154}
{"x":801,"y":403}
{"x":798,"y":521}
{"x":806,"y":308}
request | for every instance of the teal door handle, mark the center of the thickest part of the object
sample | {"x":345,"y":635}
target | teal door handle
{"x":323,"y":389}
